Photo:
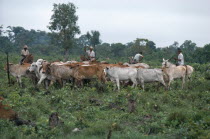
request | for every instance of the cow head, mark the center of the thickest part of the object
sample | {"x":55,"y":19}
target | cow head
{"x":40,"y":61}
{"x":106,"y":70}
{"x":33,"y":67}
{"x":165,"y":63}
{"x":46,"y":67}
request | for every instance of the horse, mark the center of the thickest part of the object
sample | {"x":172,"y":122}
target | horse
{"x":29,"y":59}
{"x":172,"y":72}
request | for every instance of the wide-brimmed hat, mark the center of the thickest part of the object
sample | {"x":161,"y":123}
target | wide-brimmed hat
{"x":91,"y":47}
{"x":25,"y":46}
{"x":179,"y":50}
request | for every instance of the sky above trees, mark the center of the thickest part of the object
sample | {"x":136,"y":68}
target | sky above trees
{"x":162,"y":21}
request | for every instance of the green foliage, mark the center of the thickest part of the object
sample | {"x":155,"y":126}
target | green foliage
{"x":96,"y":109}
{"x":64,"y":25}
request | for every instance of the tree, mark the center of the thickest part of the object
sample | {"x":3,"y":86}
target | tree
{"x":5,"y":43}
{"x":94,"y":38}
{"x":188,"y":48}
{"x":118,"y":49}
{"x":151,"y":45}
{"x":20,"y":36}
{"x":64,"y":26}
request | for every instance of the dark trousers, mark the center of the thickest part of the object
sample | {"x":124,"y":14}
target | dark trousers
{"x":21,"y":61}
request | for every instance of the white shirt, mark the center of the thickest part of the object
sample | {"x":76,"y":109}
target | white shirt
{"x":25,"y":53}
{"x":137,"y":57}
{"x":181,"y":57}
{"x":91,"y":54}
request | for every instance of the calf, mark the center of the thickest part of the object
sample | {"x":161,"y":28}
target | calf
{"x":121,"y":74}
{"x":150,"y":75}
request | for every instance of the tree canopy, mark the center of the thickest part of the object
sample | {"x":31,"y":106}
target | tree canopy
{"x":64,"y":26}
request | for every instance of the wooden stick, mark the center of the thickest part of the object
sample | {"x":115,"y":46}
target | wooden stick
{"x":8,"y":75}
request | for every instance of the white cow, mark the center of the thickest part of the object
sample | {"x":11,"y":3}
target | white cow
{"x":137,"y":64}
{"x":19,"y":71}
{"x":150,"y":75}
{"x":175,"y":72}
{"x":38,"y":70}
{"x":118,"y":74}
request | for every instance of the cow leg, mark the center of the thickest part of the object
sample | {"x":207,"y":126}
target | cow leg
{"x":142,"y":84}
{"x":17,"y":81}
{"x":169,"y":83}
{"x":183,"y":82}
{"x":163,"y":83}
{"x":20,"y":82}
{"x":60,"y":82}
{"x":134,"y":82}
{"x":81,"y":82}
{"x":41,"y":79}
{"x":118,"y":84}
{"x":46,"y":82}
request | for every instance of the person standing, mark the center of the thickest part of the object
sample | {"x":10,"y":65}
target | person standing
{"x":138,"y":57}
{"x":180,"y":58}
{"x":24,"y":53}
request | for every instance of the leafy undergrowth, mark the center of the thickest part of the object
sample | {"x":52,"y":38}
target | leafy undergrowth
{"x":97,"y":109}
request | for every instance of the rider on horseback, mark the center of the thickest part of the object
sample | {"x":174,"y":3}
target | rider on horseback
{"x":24,"y":53}
{"x":90,"y":54}
{"x":180,"y":58}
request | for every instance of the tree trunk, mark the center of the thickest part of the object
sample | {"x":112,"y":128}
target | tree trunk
{"x":66,"y":54}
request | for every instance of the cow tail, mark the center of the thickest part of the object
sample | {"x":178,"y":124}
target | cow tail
{"x":186,"y":71}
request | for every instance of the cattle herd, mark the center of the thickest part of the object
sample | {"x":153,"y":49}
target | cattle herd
{"x":76,"y":72}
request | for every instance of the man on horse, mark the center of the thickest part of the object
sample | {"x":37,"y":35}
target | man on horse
{"x":24,"y":53}
{"x":180,"y":59}
{"x":90,"y":54}
{"x":138,"y":57}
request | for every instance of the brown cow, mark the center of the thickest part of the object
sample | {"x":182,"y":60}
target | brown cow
{"x":19,"y":71}
{"x":81,"y":72}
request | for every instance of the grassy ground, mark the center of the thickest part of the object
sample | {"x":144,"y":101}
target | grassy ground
{"x":158,"y":114}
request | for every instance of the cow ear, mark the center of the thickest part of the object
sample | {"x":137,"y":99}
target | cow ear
{"x":163,"y":59}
